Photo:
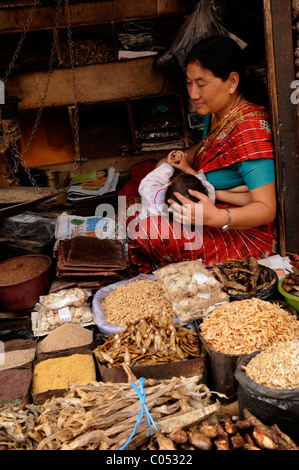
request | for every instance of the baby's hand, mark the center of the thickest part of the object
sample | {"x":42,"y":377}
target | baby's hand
{"x":173,"y":158}
{"x":178,"y":159}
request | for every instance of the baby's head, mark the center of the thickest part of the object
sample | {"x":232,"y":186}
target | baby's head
{"x":181,"y":184}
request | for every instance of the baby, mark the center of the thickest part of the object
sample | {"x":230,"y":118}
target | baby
{"x":158,"y":186}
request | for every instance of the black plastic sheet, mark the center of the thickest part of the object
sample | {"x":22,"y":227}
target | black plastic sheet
{"x":271,"y":406}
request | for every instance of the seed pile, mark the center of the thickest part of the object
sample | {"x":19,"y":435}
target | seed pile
{"x":58,"y":372}
{"x":16,"y":358}
{"x":20,"y":269}
{"x":134,"y":301}
{"x":245,"y":326}
{"x":276,"y":367}
{"x":68,"y":335}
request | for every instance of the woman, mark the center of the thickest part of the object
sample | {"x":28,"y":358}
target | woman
{"x":236,"y":154}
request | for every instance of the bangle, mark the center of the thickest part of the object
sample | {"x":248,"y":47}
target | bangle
{"x":229,"y":221}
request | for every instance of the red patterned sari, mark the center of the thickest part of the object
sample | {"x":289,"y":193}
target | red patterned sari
{"x":243,"y":134}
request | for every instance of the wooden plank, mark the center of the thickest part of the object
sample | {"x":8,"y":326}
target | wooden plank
{"x":91,"y":13}
{"x":281,"y":73}
{"x":112,"y":81}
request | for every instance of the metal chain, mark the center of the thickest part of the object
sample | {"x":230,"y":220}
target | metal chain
{"x":75,"y":107}
{"x":20,"y":43}
{"x":17,"y":156}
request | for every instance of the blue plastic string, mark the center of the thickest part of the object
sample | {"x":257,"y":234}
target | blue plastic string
{"x":141,"y":396}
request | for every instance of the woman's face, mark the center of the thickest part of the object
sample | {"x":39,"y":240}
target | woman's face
{"x":209,"y":94}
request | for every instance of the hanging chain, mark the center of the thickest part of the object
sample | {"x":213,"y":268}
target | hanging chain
{"x":8,"y":136}
{"x":20,"y":43}
{"x":17,"y":156}
{"x":74,"y":109}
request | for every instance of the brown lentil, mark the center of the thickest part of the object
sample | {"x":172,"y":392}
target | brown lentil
{"x":59,"y":372}
{"x":21,"y":269}
{"x":67,"y":335}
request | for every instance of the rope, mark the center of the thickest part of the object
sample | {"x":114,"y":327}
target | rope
{"x":141,"y":395}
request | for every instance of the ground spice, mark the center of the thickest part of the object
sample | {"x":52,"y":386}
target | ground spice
{"x":14,"y":384}
{"x":16,"y":358}
{"x":59,"y":372}
{"x":21,"y":269}
{"x":68,"y":335}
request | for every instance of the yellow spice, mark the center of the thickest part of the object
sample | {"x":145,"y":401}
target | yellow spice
{"x":58,"y":372}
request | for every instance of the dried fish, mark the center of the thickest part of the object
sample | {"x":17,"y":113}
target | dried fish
{"x":179,"y":436}
{"x":165,"y":341}
{"x":264,"y":441}
{"x":254,"y":435}
{"x":165,"y":443}
{"x":245,"y":326}
{"x":199,"y":440}
{"x":276,"y":367}
{"x":243,"y":276}
{"x":291,"y":282}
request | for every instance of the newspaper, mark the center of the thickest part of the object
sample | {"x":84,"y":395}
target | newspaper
{"x":93,"y":184}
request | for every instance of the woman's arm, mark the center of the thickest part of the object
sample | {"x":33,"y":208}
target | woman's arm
{"x":260,"y":211}
{"x":238,"y":196}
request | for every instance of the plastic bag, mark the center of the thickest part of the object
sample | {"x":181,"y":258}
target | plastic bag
{"x":28,"y":230}
{"x":192,"y":290}
{"x":99,"y":316}
{"x":271,"y":406}
{"x":202,"y":23}
{"x":67,"y":305}
{"x":139,"y":36}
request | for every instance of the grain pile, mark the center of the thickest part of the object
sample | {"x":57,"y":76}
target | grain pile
{"x":16,"y":358}
{"x":277,"y":367}
{"x":136,"y":300}
{"x":68,"y":335}
{"x":242,"y":327}
{"x":58,"y":372}
{"x":22,"y":268}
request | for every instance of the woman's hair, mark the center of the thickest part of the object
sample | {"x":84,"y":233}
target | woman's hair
{"x":181,"y":184}
{"x":222,"y":56}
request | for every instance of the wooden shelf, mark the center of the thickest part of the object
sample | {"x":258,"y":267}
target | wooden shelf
{"x":111,"y":81}
{"x":12,"y":19}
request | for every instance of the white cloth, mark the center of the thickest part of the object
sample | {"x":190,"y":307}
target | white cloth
{"x":153,"y":187}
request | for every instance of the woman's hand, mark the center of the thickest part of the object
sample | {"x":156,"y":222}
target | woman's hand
{"x":261,"y":210}
{"x":178,"y":159}
{"x":203,"y":212}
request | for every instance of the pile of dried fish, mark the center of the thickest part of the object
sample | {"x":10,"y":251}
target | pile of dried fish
{"x":225,"y":433}
{"x":245,"y":326}
{"x":277,"y":367}
{"x":243,"y":276}
{"x":17,"y":428}
{"x":150,"y":340}
{"x":103,"y":415}
{"x":291,"y":282}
